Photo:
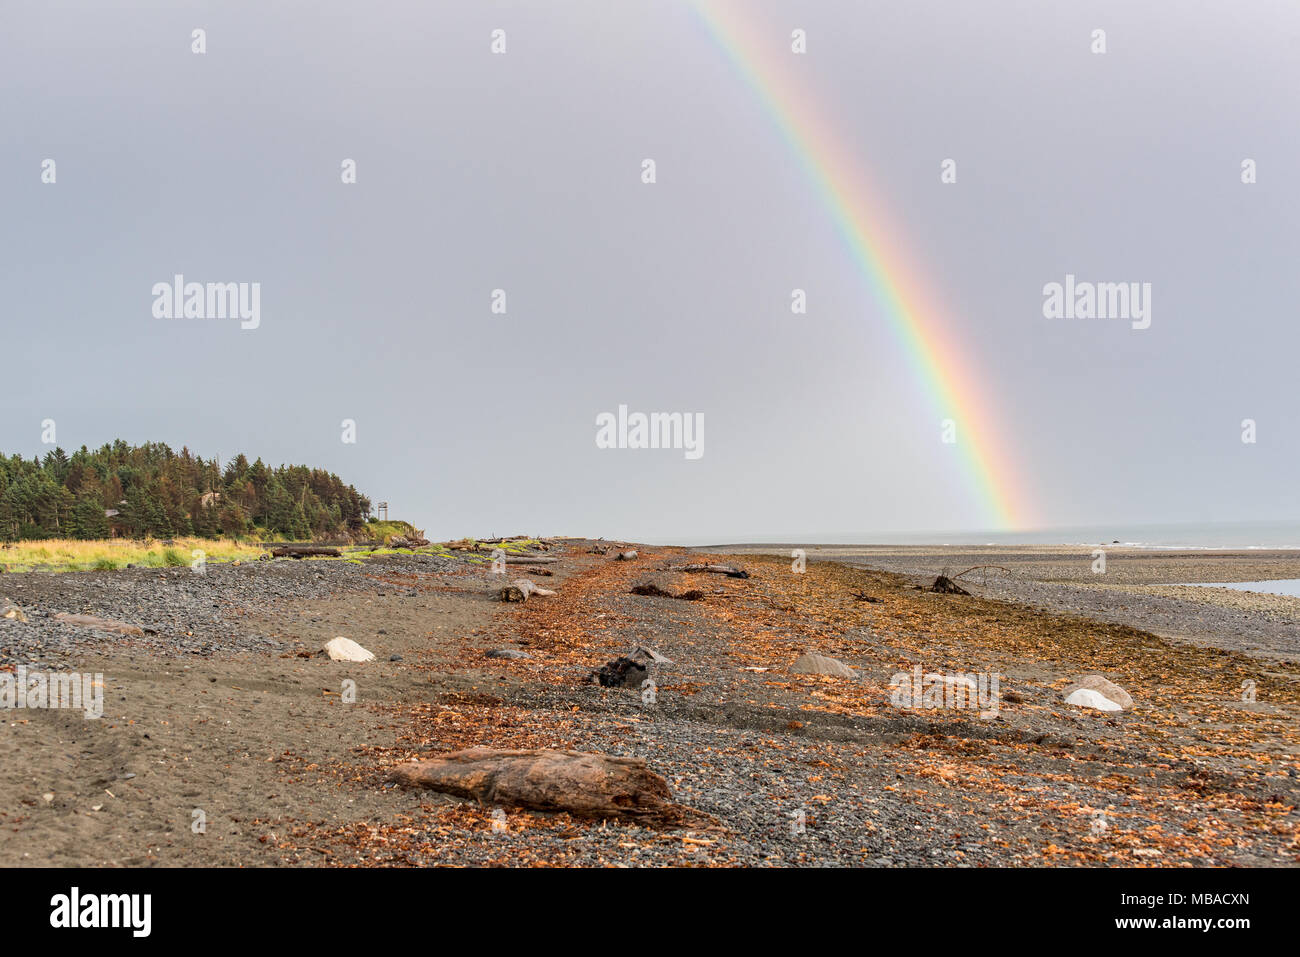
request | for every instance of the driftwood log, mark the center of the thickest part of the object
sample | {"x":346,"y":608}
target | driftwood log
{"x":304,"y":551}
{"x":521,"y":590}
{"x":466,"y":545}
{"x":100,"y":624}
{"x":731,"y":571}
{"x":530,"y":560}
{"x":975,"y":568}
{"x":583,"y":784}
{"x":653,"y":590}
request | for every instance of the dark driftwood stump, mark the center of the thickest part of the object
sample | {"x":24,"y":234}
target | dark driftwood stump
{"x":654,"y":590}
{"x":946,"y":586}
{"x":583,"y":784}
{"x":622,"y":672}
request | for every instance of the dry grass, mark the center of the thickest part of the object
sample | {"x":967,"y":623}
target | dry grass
{"x":63,"y":554}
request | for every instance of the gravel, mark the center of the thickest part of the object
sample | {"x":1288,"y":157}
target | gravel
{"x":182,"y":612}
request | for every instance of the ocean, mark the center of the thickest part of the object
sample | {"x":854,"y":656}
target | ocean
{"x":1186,"y":535}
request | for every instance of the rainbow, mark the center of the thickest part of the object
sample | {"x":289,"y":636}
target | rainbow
{"x":828,"y":162}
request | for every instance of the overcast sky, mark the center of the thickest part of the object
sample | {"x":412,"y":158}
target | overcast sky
{"x":523,"y":172}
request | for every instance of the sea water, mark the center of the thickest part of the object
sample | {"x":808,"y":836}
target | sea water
{"x":1185,"y":535}
{"x":1280,"y":586}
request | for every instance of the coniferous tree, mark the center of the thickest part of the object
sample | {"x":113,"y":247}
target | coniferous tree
{"x":157,"y":492}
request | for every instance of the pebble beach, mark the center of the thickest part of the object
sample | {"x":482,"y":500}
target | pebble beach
{"x":223,"y":709}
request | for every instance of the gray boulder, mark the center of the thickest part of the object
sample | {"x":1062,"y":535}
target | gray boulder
{"x":815,"y":664}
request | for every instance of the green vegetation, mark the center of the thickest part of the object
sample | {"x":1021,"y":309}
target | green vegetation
{"x":60,"y":555}
{"x":382,"y":531}
{"x":74,"y":555}
{"x":150,"y":491}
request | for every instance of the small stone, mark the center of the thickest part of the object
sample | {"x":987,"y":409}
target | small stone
{"x":394,"y":657}
{"x":507,"y":653}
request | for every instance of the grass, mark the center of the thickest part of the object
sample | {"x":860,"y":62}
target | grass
{"x":383,"y":531}
{"x":73,"y":555}
{"x":104,"y":555}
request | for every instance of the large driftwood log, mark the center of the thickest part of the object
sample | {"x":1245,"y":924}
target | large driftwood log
{"x":304,"y":551}
{"x":521,"y":590}
{"x":583,"y":784}
{"x":530,"y":560}
{"x":100,"y":624}
{"x":731,"y":571}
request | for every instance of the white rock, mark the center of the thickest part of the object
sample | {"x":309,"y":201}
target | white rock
{"x":1105,"y":687}
{"x":345,"y":649}
{"x":1087,"y":698}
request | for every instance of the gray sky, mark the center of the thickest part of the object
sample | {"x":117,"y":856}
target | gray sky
{"x":522,"y":172}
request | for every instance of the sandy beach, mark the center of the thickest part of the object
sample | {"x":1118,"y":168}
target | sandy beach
{"x":222,"y":713}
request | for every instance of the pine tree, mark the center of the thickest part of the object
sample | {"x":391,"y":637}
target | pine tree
{"x":163,"y":493}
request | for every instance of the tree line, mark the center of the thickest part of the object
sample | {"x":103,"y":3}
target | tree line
{"x":149,"y":491}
